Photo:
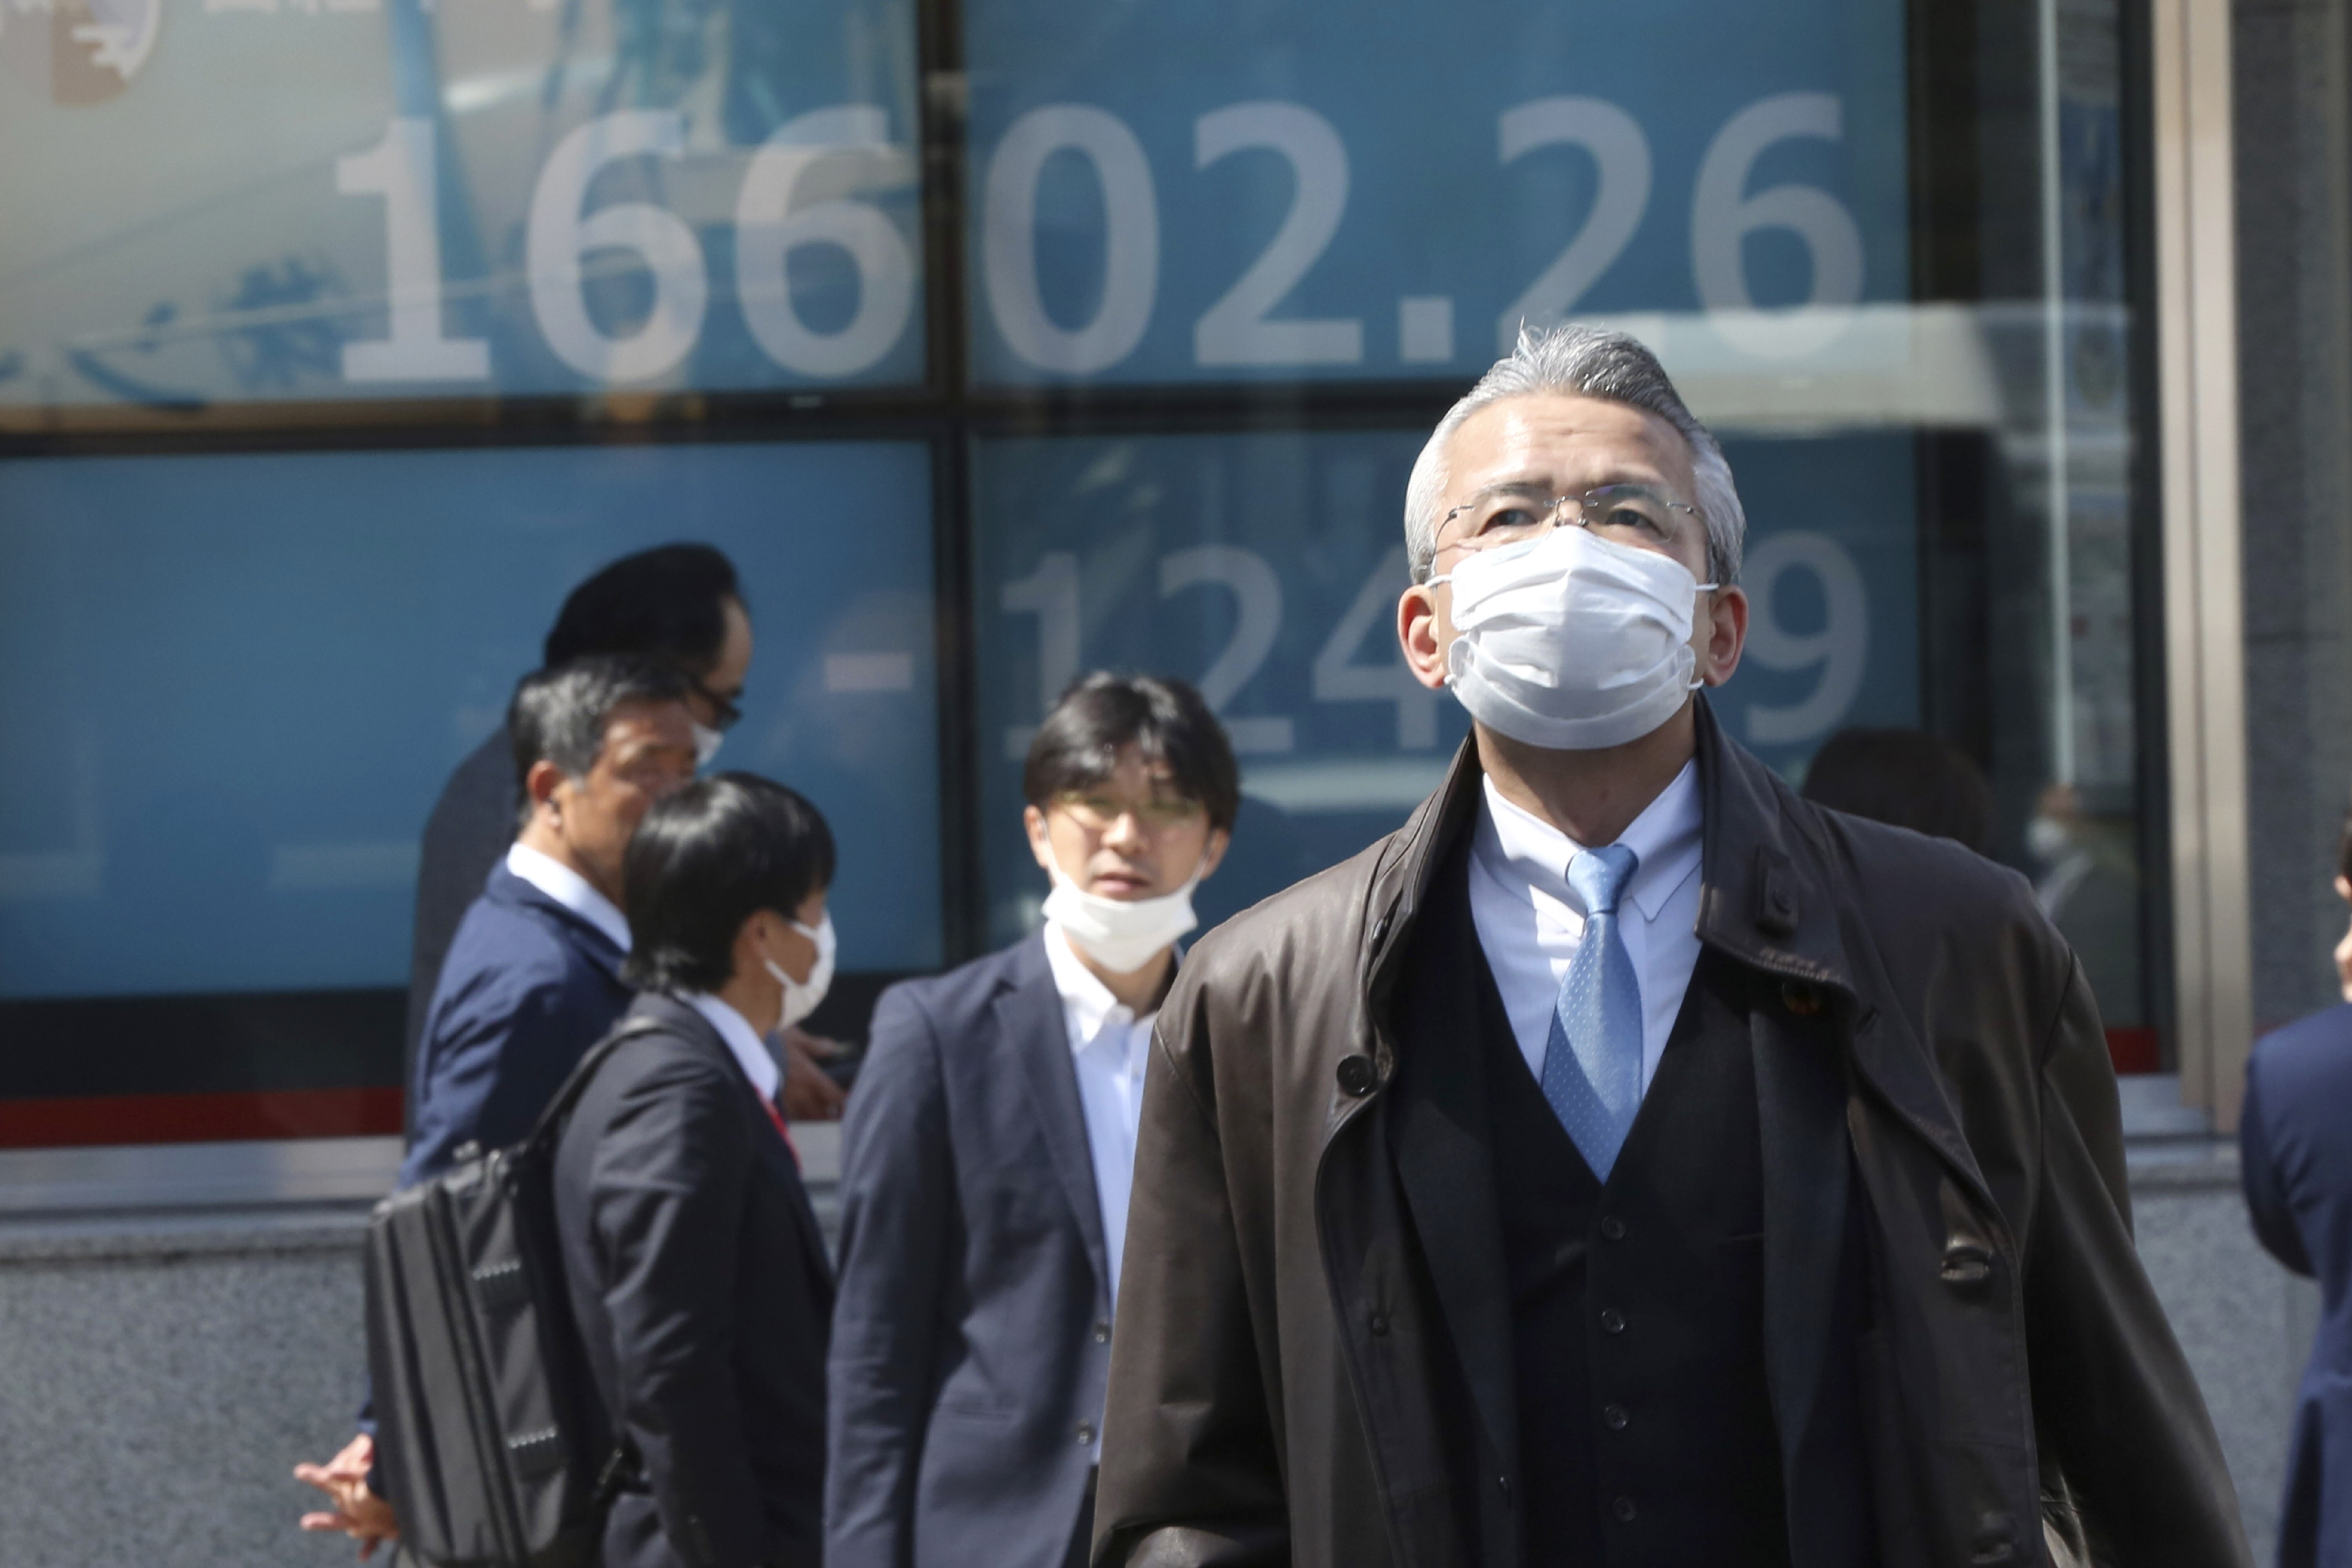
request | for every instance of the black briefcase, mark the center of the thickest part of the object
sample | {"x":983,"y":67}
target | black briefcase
{"x":493,"y":1445}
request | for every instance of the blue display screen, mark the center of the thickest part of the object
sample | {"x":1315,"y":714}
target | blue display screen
{"x":1230,"y":189}
{"x":533,"y":197}
{"x":1265,"y":569}
{"x":294,"y":200}
{"x":235,"y":686}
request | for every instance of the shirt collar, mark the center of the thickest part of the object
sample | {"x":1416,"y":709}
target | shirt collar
{"x":1086,"y":1002}
{"x":1665,"y":840}
{"x":570,"y":888}
{"x":741,"y":1039}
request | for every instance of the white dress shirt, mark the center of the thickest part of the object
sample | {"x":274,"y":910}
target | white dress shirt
{"x":570,"y":888}
{"x":1529,"y":921}
{"x":1110,"y":1046}
{"x":741,"y":1039}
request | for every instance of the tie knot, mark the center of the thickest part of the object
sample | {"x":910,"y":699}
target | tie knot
{"x":1599,"y":876}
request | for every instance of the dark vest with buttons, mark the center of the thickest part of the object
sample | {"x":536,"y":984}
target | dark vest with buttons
{"x":1644,"y":1426}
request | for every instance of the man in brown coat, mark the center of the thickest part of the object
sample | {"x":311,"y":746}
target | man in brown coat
{"x":1627,"y":1162}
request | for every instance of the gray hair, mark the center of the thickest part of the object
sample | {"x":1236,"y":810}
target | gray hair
{"x":1581,"y":361}
{"x":560,"y":715}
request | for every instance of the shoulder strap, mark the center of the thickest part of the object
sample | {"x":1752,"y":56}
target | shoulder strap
{"x":551,"y":1121}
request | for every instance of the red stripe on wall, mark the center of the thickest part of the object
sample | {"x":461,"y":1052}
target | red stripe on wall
{"x":367,"y":1112}
{"x":198,"y":1118}
{"x":2134,"y":1050}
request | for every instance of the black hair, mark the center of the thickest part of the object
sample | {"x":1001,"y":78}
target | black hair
{"x":669,"y":604}
{"x":1101,"y":714}
{"x":708,"y":859}
{"x":1907,"y":777}
{"x":2343,"y":850}
{"x":559,"y":715}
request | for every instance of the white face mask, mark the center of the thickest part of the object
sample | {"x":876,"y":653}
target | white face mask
{"x":1120,"y":934}
{"x":2047,"y":839}
{"x":1573,"y":642}
{"x":707,"y":742}
{"x":800,"y":996}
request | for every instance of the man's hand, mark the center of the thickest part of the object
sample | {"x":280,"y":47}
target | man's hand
{"x":357,"y":1512}
{"x":809,"y":1094}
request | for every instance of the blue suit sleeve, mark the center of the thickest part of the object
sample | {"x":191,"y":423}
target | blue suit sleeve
{"x":899,"y":1230}
{"x":2267,"y":1201}
{"x":500,"y":1043}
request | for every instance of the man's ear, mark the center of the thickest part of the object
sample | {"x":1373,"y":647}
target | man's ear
{"x":1213,"y":853}
{"x":1421,"y":634}
{"x":1726,"y":619}
{"x":540,"y":783}
{"x":1041,"y":843}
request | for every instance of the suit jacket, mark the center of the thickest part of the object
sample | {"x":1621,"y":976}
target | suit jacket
{"x":529,"y":986}
{"x":471,"y":826}
{"x":1929,"y":1068}
{"x":699,"y":1278}
{"x":2297,"y":1168}
{"x":972,"y":1343}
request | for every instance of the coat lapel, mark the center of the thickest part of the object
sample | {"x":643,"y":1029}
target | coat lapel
{"x":1439,"y":1122}
{"x":1032,"y":1026}
{"x":1801,"y":1098}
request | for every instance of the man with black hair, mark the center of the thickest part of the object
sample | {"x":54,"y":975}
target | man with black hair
{"x":533,"y":976}
{"x":696,"y":1268}
{"x":680,"y":604}
{"x":987,"y":1155}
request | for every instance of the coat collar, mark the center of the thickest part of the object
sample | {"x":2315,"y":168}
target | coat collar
{"x":580,"y":933}
{"x":1764,"y":896}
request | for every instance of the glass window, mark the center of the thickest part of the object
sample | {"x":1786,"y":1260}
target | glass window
{"x":454,"y":201}
{"x":1173,"y":294}
{"x":237,"y":684}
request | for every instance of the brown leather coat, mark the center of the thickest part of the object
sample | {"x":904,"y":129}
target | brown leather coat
{"x":1934,"y":1060}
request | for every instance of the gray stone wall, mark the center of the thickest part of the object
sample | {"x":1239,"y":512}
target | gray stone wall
{"x":158,"y":1379}
{"x":158,"y":1382}
{"x":2293,"y":172}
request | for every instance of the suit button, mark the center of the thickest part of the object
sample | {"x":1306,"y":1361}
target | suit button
{"x":1102,"y":1333}
{"x":1086,"y":1432}
{"x":1621,"y":1510}
{"x":1615,"y":1417}
{"x":1613,"y":1229}
{"x":1613,"y":1321}
{"x":1357,"y":1076}
{"x":1380,"y":1325}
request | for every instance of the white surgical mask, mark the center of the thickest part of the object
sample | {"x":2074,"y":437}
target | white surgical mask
{"x":707,"y":742}
{"x":1573,"y":642}
{"x":800,"y":996}
{"x":1120,"y":934}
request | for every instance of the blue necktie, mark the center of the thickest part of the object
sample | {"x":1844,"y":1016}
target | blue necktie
{"x":1593,"y":1063}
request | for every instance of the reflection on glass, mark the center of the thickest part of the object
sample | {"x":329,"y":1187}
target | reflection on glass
{"x":284,"y":200}
{"x":255,"y":673}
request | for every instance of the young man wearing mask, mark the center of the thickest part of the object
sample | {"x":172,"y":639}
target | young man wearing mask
{"x":987,"y":1152}
{"x":1627,"y":1160}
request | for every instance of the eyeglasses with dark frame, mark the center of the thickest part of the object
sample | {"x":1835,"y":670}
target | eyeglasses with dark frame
{"x":724,"y":713}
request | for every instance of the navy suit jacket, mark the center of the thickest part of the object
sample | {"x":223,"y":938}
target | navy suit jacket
{"x":699,"y":1278}
{"x":2297,"y":1166}
{"x":527,"y":988}
{"x":972,"y":1345}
